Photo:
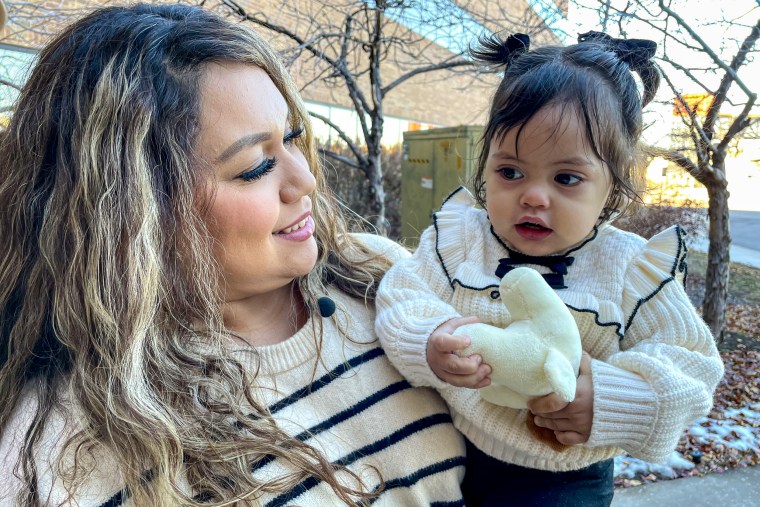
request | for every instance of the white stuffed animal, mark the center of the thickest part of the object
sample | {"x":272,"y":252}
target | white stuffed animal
{"x":538,"y":353}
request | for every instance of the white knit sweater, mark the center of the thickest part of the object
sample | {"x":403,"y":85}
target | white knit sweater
{"x":346,"y":400}
{"x":654,"y":362}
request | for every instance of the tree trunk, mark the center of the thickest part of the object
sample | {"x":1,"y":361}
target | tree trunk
{"x":377,"y":190}
{"x":718,"y":258}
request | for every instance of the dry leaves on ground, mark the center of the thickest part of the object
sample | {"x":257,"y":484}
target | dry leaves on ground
{"x":729,"y":437}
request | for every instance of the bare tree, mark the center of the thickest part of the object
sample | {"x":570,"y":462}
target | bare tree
{"x":365,"y":50}
{"x":28,"y":25}
{"x":719,"y":70}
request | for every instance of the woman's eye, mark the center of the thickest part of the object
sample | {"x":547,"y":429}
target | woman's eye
{"x":510,"y":173}
{"x":293,"y":134}
{"x":260,"y":170}
{"x":567,"y":179}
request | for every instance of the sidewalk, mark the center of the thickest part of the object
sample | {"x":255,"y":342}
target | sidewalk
{"x":734,"y":488}
{"x":739,"y":254}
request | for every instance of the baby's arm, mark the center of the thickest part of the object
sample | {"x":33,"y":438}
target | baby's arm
{"x":664,"y":376}
{"x":414,"y":322}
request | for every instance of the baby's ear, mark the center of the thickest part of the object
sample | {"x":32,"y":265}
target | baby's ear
{"x":544,"y":435}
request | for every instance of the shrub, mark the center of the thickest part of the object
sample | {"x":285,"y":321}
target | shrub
{"x":351,"y":186}
{"x":648,"y":220}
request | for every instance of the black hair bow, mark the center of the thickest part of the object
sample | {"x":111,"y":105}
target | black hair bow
{"x":635,"y":52}
{"x":557,"y":263}
{"x":493,"y":51}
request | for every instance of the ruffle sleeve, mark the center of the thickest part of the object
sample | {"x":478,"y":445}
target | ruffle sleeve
{"x":662,"y":261}
{"x":665,"y":373}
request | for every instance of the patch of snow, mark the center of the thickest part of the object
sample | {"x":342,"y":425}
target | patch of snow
{"x":732,"y":431}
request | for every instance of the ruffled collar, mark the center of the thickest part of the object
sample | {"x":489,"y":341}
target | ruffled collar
{"x":613,"y":273}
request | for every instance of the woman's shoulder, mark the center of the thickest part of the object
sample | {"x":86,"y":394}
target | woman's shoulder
{"x":378,"y":245}
{"x":12,"y":444}
{"x":51,"y":453}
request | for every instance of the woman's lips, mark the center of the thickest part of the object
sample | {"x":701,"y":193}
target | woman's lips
{"x":300,"y":231}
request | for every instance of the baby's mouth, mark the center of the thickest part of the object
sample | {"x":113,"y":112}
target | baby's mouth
{"x":533,"y":226}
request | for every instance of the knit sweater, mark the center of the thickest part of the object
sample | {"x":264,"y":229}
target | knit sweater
{"x":654,"y":362}
{"x":346,"y":400}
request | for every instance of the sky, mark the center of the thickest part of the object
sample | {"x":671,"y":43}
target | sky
{"x":705,"y":16}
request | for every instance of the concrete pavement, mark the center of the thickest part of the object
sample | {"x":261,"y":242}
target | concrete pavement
{"x":734,"y":488}
{"x":745,"y":238}
{"x":740,"y":254}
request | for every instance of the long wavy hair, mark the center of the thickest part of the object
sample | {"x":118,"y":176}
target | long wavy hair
{"x":105,"y":260}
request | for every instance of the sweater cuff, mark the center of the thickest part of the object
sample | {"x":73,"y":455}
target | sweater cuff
{"x":625,"y":408}
{"x":412,"y":352}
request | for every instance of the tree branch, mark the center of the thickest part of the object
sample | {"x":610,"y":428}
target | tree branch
{"x":351,"y":145}
{"x":706,"y":48}
{"x":728,"y":78}
{"x":340,"y":158}
{"x":422,"y":70}
{"x":740,"y":123}
{"x":688,"y":165}
{"x":337,"y":65}
{"x":4,"y":82}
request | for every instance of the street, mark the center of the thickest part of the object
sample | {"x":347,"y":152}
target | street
{"x":745,"y":229}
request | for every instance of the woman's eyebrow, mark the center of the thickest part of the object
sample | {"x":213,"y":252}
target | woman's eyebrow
{"x":249,"y":140}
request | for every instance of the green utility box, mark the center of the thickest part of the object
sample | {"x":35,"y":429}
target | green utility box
{"x":434,"y":163}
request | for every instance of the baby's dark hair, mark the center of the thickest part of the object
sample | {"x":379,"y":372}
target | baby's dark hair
{"x":594,"y":80}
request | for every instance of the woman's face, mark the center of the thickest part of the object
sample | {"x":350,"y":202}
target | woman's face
{"x":260,"y":215}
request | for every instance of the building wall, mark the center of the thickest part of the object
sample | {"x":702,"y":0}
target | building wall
{"x":442,"y":98}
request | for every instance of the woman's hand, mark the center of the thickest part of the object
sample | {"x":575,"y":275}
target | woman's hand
{"x":456,"y":370}
{"x":571,"y":422}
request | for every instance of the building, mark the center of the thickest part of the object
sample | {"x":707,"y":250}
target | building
{"x":440,"y":98}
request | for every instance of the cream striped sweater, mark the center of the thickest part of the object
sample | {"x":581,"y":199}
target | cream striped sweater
{"x":356,"y":409}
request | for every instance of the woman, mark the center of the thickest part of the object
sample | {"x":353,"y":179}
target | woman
{"x":167,"y":240}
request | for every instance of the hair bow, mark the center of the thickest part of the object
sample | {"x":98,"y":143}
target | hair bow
{"x":634,"y":52}
{"x":493,"y":51}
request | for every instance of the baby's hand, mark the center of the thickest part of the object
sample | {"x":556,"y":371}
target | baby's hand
{"x":447,"y":365}
{"x":571,"y":422}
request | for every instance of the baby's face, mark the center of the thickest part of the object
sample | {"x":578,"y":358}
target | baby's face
{"x":545,"y":191}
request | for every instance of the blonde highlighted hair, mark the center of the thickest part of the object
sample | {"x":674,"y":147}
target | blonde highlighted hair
{"x":105,"y":260}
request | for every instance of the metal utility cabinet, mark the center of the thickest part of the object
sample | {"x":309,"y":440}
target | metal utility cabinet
{"x":434,"y":163}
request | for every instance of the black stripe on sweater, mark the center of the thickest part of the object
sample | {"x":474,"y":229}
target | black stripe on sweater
{"x":326,"y":379}
{"x":340,"y":417}
{"x":120,"y":497}
{"x":412,"y":479}
{"x":373,"y":448}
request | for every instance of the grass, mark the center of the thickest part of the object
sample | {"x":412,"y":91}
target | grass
{"x":742,"y":305}
{"x":743,"y":281}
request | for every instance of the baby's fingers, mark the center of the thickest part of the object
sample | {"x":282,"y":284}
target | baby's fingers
{"x":466,"y":371}
{"x":448,"y":343}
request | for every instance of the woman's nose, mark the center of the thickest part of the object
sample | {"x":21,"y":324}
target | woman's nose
{"x":299,"y":180}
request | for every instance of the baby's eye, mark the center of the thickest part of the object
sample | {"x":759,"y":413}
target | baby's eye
{"x":567,"y":179}
{"x":293,"y":134}
{"x":510,"y":173}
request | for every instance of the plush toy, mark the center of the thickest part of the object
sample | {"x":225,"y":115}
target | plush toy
{"x":538,"y":353}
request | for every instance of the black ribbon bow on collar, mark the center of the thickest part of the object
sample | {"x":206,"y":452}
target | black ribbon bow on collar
{"x":557,"y":263}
